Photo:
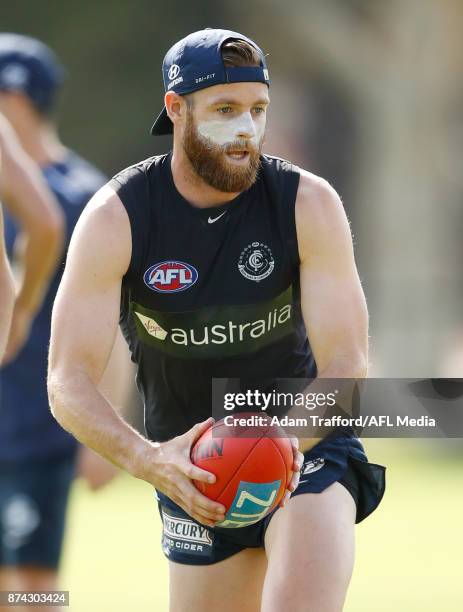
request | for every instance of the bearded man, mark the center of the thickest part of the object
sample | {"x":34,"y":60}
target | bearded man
{"x":187,"y":250}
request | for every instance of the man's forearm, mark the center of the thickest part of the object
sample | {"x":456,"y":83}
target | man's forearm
{"x":6,"y":301}
{"x":82,"y":410}
{"x":352,"y":369}
{"x":343,"y":367}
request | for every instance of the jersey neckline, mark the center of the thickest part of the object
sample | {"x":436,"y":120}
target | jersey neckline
{"x":202,"y":212}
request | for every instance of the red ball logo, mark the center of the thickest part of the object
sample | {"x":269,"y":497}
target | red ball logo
{"x":170,"y":277}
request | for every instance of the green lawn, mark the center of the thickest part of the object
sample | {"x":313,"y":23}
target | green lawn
{"x":409,"y":553}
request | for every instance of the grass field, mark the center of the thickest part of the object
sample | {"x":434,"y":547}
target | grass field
{"x":409,"y":553}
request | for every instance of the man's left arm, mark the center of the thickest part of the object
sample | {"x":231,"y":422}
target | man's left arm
{"x":332,"y":299}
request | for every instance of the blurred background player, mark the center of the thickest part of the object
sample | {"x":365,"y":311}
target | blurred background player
{"x":37,"y":457}
{"x":35,"y":210}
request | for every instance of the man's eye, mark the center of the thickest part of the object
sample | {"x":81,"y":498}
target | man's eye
{"x":259,"y":110}
{"x":225,"y":110}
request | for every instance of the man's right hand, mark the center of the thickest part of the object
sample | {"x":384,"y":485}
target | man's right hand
{"x":168,"y":467}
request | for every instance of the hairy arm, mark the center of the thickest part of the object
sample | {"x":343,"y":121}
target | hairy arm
{"x":84,"y":323}
{"x":333,"y":302}
{"x":41,"y":224}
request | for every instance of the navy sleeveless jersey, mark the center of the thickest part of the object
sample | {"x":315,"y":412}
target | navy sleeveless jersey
{"x":210,"y":292}
{"x":27,"y":427}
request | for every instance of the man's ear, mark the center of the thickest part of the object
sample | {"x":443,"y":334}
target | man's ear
{"x":175,"y":106}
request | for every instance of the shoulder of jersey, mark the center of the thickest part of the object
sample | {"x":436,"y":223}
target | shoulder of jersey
{"x":279,"y":163}
{"x":141,"y":166}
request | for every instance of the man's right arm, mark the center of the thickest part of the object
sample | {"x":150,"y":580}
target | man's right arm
{"x":84,"y":324}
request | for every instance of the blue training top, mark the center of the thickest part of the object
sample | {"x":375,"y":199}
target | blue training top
{"x":27,"y":427}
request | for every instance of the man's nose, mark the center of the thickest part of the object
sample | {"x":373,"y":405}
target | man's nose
{"x":246,"y":128}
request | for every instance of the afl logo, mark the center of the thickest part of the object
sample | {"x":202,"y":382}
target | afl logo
{"x":256,"y":261}
{"x":173,"y":72}
{"x":170,"y":277}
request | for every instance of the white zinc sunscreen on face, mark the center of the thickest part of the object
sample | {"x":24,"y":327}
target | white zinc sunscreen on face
{"x":222,"y":132}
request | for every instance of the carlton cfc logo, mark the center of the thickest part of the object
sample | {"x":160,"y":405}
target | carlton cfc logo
{"x":170,"y":276}
{"x":256,"y":261}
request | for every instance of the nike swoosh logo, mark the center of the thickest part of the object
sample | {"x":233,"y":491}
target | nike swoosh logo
{"x":216,"y":218}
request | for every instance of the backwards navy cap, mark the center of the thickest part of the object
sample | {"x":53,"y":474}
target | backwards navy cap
{"x":29,"y":66}
{"x":195,"y":62}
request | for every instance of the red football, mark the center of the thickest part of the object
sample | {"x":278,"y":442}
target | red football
{"x":252,"y":465}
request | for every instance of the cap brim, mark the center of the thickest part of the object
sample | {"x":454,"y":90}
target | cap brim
{"x":162,"y":125}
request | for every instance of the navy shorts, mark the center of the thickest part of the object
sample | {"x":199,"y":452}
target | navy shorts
{"x":33,"y":500}
{"x":335,"y":459}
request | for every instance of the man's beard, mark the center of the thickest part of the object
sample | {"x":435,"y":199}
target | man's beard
{"x":209,"y":160}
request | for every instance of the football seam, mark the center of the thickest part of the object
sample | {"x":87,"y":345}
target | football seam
{"x":246,"y":458}
{"x":238,"y":467}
